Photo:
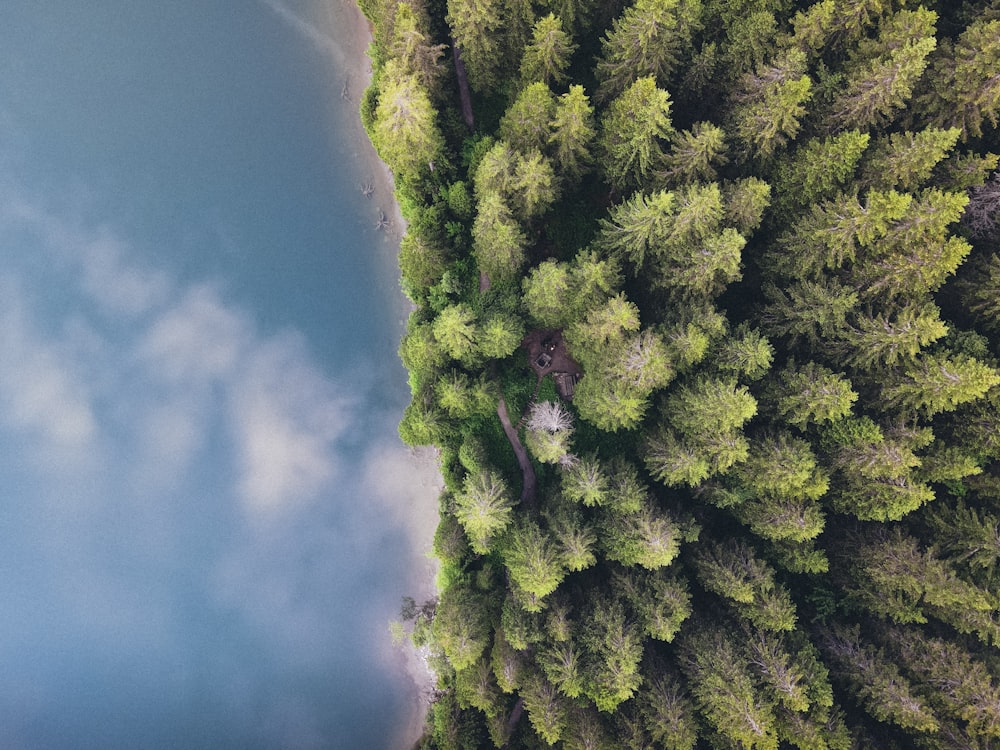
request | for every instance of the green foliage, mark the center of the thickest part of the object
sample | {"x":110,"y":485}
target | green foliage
{"x":462,"y":625}
{"x":645,"y":41}
{"x":648,"y":538}
{"x":533,"y":562}
{"x":632,"y":133}
{"x":547,"y":56}
{"x":526,"y":126}
{"x":780,"y":465}
{"x":821,"y":167}
{"x":725,"y":691}
{"x":497,"y":239}
{"x":769,"y":105}
{"x":573,"y":133}
{"x":736,"y":574}
{"x":813,"y":394}
{"x":477,"y":29}
{"x":938,"y":382}
{"x":612,"y":652}
{"x":404,"y":129}
{"x":886,"y":694}
{"x":456,"y":332}
{"x":484,"y":508}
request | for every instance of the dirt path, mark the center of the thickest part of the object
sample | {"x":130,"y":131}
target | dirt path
{"x":527,"y":470}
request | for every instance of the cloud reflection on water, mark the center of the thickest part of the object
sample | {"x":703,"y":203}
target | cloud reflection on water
{"x":195,"y":513}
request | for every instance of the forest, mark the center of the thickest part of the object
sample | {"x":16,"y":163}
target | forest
{"x":706,"y":326}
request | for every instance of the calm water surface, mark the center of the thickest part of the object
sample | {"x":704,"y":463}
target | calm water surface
{"x":207,"y":519}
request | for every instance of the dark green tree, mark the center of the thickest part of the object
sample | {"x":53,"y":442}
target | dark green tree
{"x":646,"y":40}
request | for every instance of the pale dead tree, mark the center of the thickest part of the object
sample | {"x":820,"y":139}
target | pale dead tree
{"x":549,"y":416}
{"x":982,"y":215}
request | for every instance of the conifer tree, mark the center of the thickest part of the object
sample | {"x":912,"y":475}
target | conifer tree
{"x":895,"y":578}
{"x":455,"y":330}
{"x":937,"y":382}
{"x":695,"y":155}
{"x":612,"y":652}
{"x":886,"y":694}
{"x":477,"y":28}
{"x":769,"y":104}
{"x":810,"y":310}
{"x":547,"y":55}
{"x":498,"y":240}
{"x":905,"y":161}
{"x":820,"y":168}
{"x":484,"y":508}
{"x":526,"y":125}
{"x":966,"y":92}
{"x":573,"y":133}
{"x":461,"y":625}
{"x":736,"y":574}
{"x":405,"y":130}
{"x":412,"y":48}
{"x":633,"y":131}
{"x":876,"y":90}
{"x":878,"y":340}
{"x":533,"y":562}
{"x":666,"y":710}
{"x":645,"y":41}
{"x":981,"y":290}
{"x":726,"y":692}
{"x":648,"y":538}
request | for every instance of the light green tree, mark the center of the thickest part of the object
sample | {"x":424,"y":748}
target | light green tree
{"x":456,"y":332}
{"x":877,"y":90}
{"x":573,"y":133}
{"x":769,"y":105}
{"x":873,"y":340}
{"x":933,"y":383}
{"x":613,"y":650}
{"x":405,"y":128}
{"x":885,"y":693}
{"x":527,"y":124}
{"x":484,"y":507}
{"x":477,"y":27}
{"x":461,"y":625}
{"x":965,"y":92}
{"x":819,"y":169}
{"x":695,"y":155}
{"x":547,"y":55}
{"x":904,"y":161}
{"x":498,"y":240}
{"x":535,"y":186}
{"x":725,"y":690}
{"x":412,"y":48}
{"x":533,"y":562}
{"x":501,"y":336}
{"x":633,"y":131}
{"x":813,"y":394}
{"x":746,"y":352}
{"x":648,"y":538}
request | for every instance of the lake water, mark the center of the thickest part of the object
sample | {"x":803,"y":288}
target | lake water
{"x":207,"y":520}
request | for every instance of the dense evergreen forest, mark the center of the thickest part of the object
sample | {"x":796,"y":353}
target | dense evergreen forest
{"x":707,"y":324}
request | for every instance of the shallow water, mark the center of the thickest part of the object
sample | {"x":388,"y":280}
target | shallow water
{"x":207,"y":517}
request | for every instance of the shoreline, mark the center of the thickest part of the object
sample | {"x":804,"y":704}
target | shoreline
{"x":357,"y":72}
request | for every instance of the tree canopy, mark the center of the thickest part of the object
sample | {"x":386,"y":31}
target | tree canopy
{"x":706,"y":331}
